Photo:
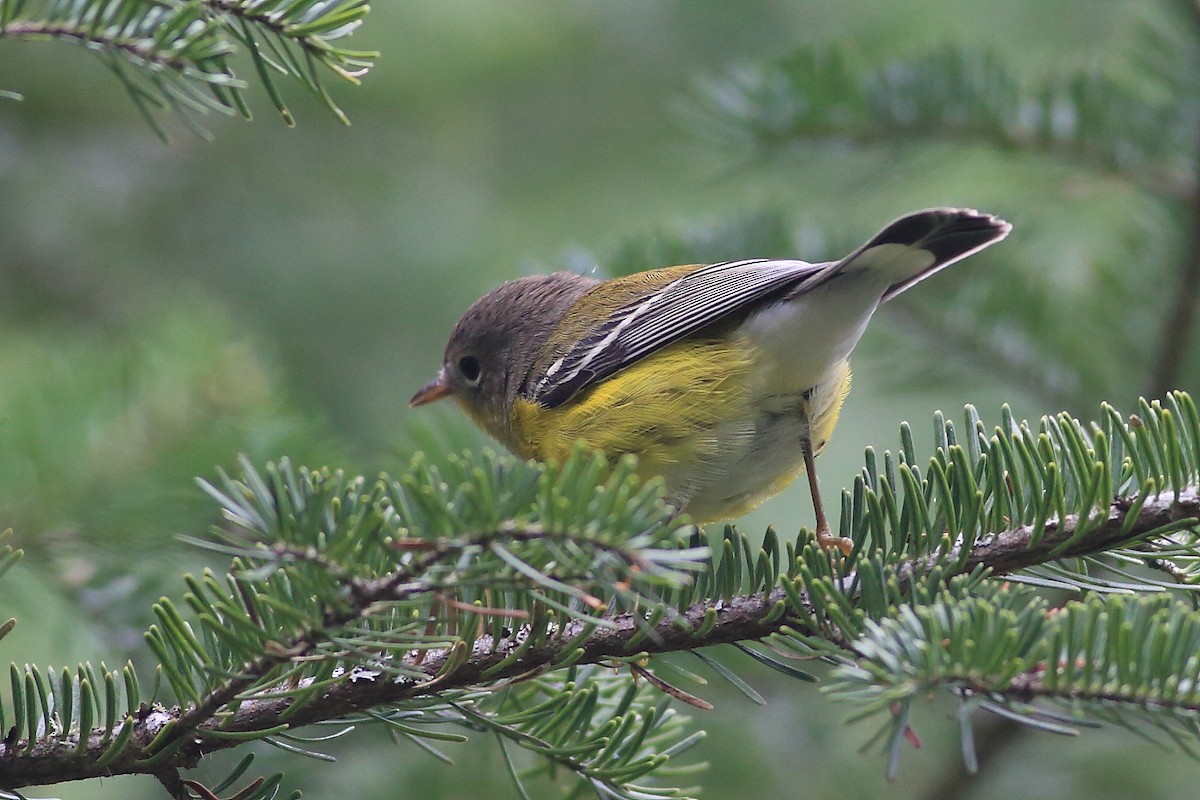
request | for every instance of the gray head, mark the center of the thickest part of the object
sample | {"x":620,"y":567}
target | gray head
{"x":495,"y":344}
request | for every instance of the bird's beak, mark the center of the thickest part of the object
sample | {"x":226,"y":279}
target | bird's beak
{"x":436,"y":389}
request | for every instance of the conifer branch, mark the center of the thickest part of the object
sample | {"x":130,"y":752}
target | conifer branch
{"x":435,"y":596}
{"x":741,"y":618}
{"x":1013,"y":550}
{"x":177,"y":56}
{"x":143,"y":50}
{"x":953,"y":94}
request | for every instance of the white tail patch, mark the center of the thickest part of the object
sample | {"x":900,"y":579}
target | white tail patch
{"x":891,"y":263}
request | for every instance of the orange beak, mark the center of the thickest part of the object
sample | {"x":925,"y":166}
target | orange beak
{"x":436,"y":389}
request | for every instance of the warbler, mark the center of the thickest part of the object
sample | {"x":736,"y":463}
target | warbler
{"x":725,"y":379}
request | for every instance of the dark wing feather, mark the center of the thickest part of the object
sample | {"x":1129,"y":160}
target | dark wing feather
{"x":663,"y":317}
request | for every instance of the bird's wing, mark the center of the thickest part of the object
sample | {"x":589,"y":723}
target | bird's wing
{"x":905,"y":252}
{"x":662,"y":317}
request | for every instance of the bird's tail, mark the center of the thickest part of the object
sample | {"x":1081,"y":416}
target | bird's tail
{"x":917,"y":245}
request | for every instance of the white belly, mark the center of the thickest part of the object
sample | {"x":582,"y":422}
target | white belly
{"x":744,"y":478}
{"x":760,"y":454}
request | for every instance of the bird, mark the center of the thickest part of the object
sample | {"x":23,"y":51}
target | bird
{"x":724,"y":379}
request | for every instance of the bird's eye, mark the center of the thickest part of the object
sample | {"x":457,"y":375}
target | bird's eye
{"x":468,"y":367}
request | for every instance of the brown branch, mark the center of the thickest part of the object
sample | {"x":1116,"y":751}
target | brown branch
{"x":1181,"y":319}
{"x":1180,"y":322}
{"x":741,"y":618}
{"x":87,"y":36}
{"x":366,"y":593}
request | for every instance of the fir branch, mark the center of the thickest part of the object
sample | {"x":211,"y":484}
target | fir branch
{"x":953,"y":94}
{"x":142,"y":50}
{"x":1111,"y":658}
{"x":365,"y":595}
{"x":345,"y":597}
{"x":177,"y":55}
{"x":1014,"y":550}
{"x":743,"y":618}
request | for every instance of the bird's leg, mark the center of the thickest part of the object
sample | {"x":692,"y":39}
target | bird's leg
{"x":697,"y":537}
{"x":825,"y":536}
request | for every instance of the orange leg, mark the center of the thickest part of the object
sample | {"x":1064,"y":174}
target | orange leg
{"x":825,"y":537}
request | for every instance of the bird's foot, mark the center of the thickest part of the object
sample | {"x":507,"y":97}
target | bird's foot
{"x":826,"y":539}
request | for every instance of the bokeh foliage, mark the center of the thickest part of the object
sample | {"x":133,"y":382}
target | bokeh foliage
{"x":487,"y":139}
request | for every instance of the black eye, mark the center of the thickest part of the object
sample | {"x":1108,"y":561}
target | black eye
{"x":468,"y":366}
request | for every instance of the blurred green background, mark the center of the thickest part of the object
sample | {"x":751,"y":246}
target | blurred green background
{"x":163,"y":309}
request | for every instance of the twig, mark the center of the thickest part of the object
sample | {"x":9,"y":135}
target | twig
{"x":741,"y":618}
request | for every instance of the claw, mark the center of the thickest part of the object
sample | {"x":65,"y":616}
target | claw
{"x":829,"y":542}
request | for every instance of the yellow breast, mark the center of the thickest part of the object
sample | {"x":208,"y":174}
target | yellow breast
{"x":668,"y":409}
{"x":696,"y":414}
